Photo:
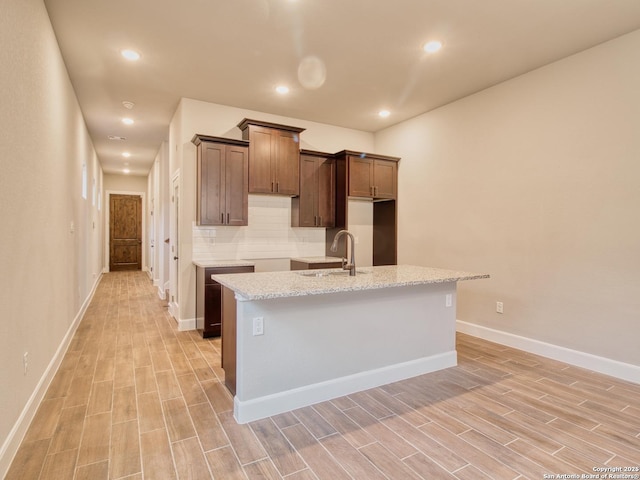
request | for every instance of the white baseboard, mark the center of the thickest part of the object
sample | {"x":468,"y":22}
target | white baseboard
{"x":186,"y":324}
{"x":614,"y":368}
{"x":17,"y":433}
{"x":161,"y":294}
{"x":156,"y":282}
{"x":174,"y":311}
{"x":257,"y":408}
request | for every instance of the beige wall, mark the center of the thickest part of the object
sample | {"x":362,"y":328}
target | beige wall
{"x":51,"y":253}
{"x":535,"y":181}
{"x":125,"y":183}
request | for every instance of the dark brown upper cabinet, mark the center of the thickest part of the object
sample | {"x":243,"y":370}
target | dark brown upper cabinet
{"x":274,"y":152}
{"x":315,"y":206}
{"x":222,"y":181}
{"x":368,"y":175}
{"x":372,"y":176}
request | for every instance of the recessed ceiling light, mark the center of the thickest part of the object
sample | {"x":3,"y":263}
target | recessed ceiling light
{"x":128,"y":105}
{"x":126,"y":170}
{"x":116,"y":137}
{"x":384,"y":113}
{"x":432,"y":46}
{"x":126,"y":154}
{"x":127,"y":121}
{"x":282,"y":89}
{"x":130,"y":55}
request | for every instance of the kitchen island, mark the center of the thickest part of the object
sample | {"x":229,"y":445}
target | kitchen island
{"x":291,"y":339}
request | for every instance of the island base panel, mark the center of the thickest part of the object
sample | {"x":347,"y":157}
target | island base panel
{"x":323,"y":346}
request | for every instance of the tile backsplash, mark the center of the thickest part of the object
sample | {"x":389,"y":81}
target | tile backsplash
{"x":268,"y":235}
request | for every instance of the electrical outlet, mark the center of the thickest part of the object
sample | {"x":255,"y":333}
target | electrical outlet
{"x":499,"y":307}
{"x":25,"y":362}
{"x":258,"y":326}
{"x":448,"y":300}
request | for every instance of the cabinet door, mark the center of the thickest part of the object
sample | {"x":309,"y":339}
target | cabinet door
{"x":213,"y":299}
{"x":211,"y":187}
{"x":326,"y":194}
{"x":286,"y":163}
{"x":308,"y":215}
{"x":262,"y":149}
{"x":212,"y":311}
{"x":360,"y":177}
{"x":385,"y":180}
{"x":236,"y":185}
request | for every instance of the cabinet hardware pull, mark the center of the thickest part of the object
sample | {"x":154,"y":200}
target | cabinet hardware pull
{"x":222,"y":217}
{"x":227,"y":218}
{"x":272,"y":183}
{"x":375,"y":191}
{"x":277,"y":186}
{"x":320,"y":222}
{"x":315,"y":220}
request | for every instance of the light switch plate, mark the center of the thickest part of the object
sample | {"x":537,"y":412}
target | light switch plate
{"x":258,"y":326}
{"x":448,"y":300}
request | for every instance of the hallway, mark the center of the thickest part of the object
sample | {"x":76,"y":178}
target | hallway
{"x":134,"y":398}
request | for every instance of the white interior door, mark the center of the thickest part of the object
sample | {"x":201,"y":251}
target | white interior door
{"x":152,"y":242}
{"x":174,"y":250}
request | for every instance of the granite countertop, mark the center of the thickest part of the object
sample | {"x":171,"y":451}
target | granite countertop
{"x":224,"y":263}
{"x":268,"y":285}
{"x":317,"y":259}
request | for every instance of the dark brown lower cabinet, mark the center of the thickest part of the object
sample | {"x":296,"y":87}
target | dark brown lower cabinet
{"x":209,"y":298}
{"x":229,"y":335}
{"x":300,"y":265}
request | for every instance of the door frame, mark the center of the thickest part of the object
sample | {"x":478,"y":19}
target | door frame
{"x":107,"y":220}
{"x":174,"y":248}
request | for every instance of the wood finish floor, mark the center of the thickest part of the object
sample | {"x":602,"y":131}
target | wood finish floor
{"x":134,"y":398}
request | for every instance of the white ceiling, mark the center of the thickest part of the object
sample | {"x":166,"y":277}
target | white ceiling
{"x":234,"y":52}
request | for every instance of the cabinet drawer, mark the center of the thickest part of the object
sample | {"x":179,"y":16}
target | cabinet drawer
{"x":298,"y":265}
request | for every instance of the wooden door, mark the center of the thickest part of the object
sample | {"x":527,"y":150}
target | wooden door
{"x":236,"y":185}
{"x":385,"y":173}
{"x":326,"y":192}
{"x":287,"y":164}
{"x":308,"y":192}
{"x":210,"y":186}
{"x":125,"y":232}
{"x":261,"y":151}
{"x":360,"y":177}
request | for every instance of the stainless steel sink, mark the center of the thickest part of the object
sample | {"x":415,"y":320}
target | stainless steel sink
{"x":313,"y":274}
{"x":320,"y":274}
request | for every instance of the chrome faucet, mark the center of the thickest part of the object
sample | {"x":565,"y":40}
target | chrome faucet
{"x":351,"y":265}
